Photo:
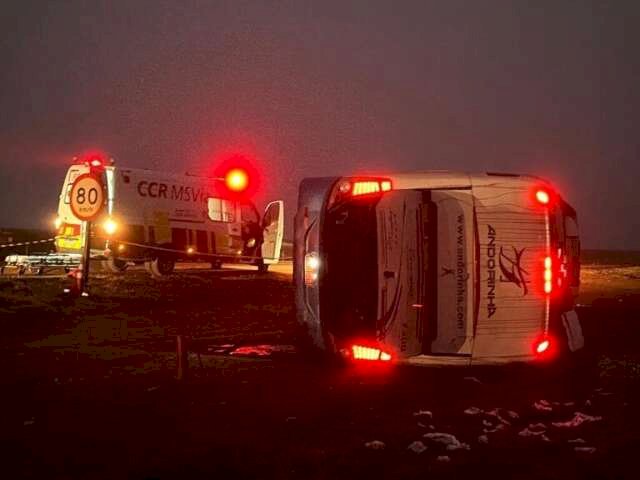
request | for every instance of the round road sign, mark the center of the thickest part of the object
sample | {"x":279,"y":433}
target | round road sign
{"x":87,"y":197}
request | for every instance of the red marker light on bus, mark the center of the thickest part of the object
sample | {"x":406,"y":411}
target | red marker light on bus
{"x":365,"y":187}
{"x":543,"y":346}
{"x":548,"y":275}
{"x":543,"y":197}
{"x":237,"y":180}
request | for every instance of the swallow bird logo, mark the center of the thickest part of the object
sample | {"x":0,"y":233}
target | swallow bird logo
{"x":511,"y":269}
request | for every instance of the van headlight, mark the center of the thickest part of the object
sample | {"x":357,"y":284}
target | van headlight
{"x":110,"y":226}
{"x":311,"y":268}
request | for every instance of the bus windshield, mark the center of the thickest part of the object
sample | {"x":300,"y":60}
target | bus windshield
{"x":350,"y":281}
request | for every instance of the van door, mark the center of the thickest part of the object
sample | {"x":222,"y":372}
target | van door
{"x":571,"y":246}
{"x":273,"y":231}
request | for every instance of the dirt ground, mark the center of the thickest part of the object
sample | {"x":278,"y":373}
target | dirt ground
{"x":89,"y":390}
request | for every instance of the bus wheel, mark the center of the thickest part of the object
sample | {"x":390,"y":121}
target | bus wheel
{"x":161,"y":266}
{"x":114,"y":265}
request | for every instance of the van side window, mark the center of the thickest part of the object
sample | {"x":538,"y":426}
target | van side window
{"x":221,"y":210}
{"x":249,"y":213}
{"x":67,"y":194}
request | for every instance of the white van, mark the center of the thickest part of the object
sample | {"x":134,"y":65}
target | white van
{"x":437,"y":268}
{"x":160,"y":218}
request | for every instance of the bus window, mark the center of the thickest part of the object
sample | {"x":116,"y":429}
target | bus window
{"x":221,"y":210}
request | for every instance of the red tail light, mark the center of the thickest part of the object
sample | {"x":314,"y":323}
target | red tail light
{"x":365,"y":187}
{"x":349,"y":188}
{"x":361,"y":352}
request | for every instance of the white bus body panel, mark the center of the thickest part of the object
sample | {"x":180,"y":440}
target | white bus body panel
{"x":513,"y":239}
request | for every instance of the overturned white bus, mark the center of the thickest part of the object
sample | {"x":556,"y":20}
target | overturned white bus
{"x":160,"y":218}
{"x":437,"y":268}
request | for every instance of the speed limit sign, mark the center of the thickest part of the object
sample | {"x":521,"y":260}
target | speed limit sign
{"x":87,"y":197}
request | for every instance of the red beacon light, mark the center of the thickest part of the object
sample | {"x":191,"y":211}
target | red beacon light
{"x":237,"y":180}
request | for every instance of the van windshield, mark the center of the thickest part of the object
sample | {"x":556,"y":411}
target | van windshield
{"x":350,"y":282}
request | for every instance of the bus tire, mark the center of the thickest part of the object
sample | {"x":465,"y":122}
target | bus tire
{"x":161,"y":266}
{"x":114,"y":265}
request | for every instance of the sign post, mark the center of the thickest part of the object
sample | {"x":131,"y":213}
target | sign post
{"x":86,"y":201}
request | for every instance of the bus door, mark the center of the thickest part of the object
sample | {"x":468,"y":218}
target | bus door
{"x":454,"y":270}
{"x":402,"y":245}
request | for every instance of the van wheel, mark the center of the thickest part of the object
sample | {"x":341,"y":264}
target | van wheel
{"x":147,"y":266}
{"x":262,"y":267}
{"x":160,"y":267}
{"x":114,"y":265}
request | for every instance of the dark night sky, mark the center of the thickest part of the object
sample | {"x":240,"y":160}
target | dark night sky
{"x":549,"y":88}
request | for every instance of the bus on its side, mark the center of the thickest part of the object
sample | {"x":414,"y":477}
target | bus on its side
{"x":437,"y":268}
{"x":159,"y":218}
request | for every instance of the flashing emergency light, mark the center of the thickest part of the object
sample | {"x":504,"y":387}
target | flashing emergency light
{"x":237,"y":180}
{"x":95,"y":162}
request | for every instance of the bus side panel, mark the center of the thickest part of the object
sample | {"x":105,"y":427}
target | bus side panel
{"x":512,"y":242}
